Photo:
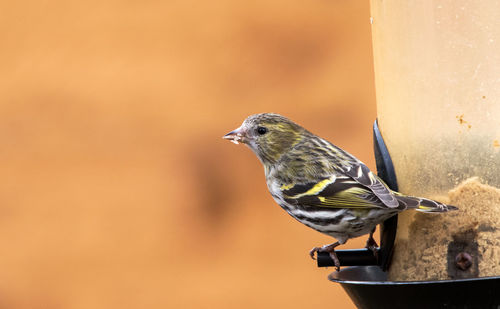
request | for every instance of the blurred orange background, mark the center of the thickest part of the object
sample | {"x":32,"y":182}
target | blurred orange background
{"x":117,"y":189}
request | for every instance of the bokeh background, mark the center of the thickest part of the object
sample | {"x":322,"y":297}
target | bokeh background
{"x":117,"y":190}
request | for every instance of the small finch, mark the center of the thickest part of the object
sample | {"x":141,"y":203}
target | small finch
{"x":321,"y":185}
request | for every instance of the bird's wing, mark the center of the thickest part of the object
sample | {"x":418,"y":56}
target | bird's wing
{"x":362,"y":175}
{"x":347,"y":183}
{"x":346,"y":164}
{"x":333,"y":192}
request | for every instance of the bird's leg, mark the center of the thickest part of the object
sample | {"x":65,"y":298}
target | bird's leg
{"x":371,"y":244}
{"x":330,"y":249}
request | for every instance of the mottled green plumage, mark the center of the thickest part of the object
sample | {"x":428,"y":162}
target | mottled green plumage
{"x":319,"y":184}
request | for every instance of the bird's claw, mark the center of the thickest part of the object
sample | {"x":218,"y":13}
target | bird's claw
{"x":313,"y":252}
{"x":327,"y":248}
{"x":372,"y":245}
{"x":335,"y":259}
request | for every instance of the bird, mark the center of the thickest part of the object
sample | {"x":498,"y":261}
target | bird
{"x":321,"y":185}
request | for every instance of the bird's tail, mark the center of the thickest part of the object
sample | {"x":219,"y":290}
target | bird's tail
{"x":423,"y":204}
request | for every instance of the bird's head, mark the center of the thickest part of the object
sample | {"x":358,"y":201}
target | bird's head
{"x":268,"y":135}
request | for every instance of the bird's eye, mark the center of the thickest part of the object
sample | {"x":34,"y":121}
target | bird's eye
{"x":261,"y":130}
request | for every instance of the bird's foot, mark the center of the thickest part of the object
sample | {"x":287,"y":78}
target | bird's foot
{"x":331,"y":250}
{"x":372,"y":245}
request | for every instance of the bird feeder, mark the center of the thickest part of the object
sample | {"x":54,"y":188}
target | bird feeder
{"x":437,"y":72}
{"x":437,"y":77}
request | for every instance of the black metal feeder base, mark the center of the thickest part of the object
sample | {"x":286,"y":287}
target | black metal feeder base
{"x":368,"y":287}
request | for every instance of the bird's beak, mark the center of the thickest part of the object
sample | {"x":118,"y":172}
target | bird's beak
{"x":235,"y":136}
